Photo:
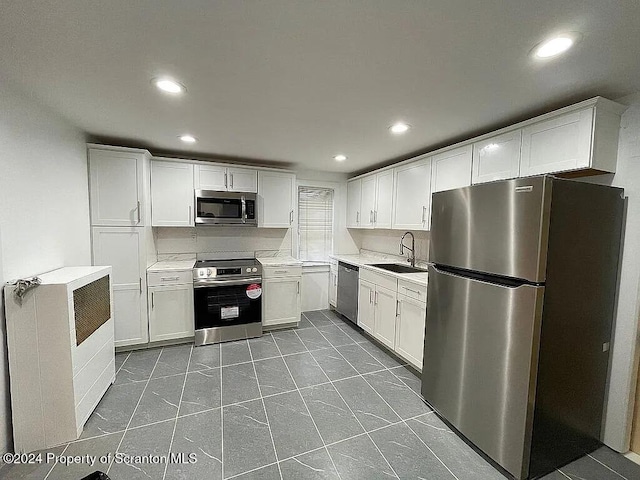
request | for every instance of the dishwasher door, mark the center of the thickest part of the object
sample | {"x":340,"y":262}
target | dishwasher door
{"x":347,"y":303}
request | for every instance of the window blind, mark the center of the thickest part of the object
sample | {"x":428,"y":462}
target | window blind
{"x":315,"y":223}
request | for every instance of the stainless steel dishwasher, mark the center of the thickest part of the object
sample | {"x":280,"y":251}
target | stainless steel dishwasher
{"x":347,"y":303}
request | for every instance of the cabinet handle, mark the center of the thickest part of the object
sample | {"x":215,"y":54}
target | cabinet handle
{"x":298,"y":287}
{"x":370,"y":293}
{"x":138,"y":210}
{"x":375,"y":298}
{"x":290,"y":217}
{"x":280,"y":271}
{"x":397,"y":307}
{"x":153,"y":301}
{"x":189,"y":220}
{"x":225,"y":180}
{"x":166,"y":279}
{"x":357,"y":217}
{"x":375,"y":216}
{"x":371,"y":216}
{"x":424,"y":210}
{"x":231,"y":178}
{"x":140,"y":282}
{"x":414,"y":291}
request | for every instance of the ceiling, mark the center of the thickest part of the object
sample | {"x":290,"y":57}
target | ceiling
{"x":299,"y":81}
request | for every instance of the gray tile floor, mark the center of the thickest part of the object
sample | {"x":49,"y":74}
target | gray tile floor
{"x":318,"y":402}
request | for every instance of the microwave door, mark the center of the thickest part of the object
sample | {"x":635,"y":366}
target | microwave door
{"x":219,"y":210}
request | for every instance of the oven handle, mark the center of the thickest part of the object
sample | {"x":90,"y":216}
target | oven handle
{"x":220,"y":283}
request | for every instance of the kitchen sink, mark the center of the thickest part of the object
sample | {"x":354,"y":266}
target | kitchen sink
{"x":397,"y":268}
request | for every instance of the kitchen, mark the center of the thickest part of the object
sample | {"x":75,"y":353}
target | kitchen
{"x":87,"y":149}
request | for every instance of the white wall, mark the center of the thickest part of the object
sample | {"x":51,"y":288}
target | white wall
{"x":44,"y":204}
{"x":388,"y":241}
{"x":624,"y":348}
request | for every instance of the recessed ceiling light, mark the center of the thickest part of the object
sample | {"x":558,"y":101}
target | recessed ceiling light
{"x":168,"y":85}
{"x":188,"y":138}
{"x":340,"y":158}
{"x":399,"y":128}
{"x":555,"y":46}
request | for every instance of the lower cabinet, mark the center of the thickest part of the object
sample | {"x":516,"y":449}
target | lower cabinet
{"x":385,"y":316}
{"x":366,"y":311}
{"x":410,"y":323}
{"x":333,"y":285}
{"x":170,"y":312}
{"x":281,"y":304}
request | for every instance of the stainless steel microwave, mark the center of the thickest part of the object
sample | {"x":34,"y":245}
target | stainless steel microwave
{"x":225,"y":208}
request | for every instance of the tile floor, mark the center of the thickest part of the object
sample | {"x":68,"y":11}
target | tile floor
{"x":318,"y":402}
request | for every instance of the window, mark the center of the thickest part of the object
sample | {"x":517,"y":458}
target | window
{"x":315,"y":223}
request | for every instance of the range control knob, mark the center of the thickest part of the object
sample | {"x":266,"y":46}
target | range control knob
{"x":248,"y":270}
{"x":254,"y":269}
{"x":209,"y":272}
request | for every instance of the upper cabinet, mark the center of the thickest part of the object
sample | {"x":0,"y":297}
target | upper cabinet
{"x":585,"y":139}
{"x":451,"y":169}
{"x":354,"y":197}
{"x":384,"y":199}
{"x":117,"y":187}
{"x":412,"y":196}
{"x":276,"y":199}
{"x":368,"y":202}
{"x":497,"y":158}
{"x":226,"y":179}
{"x":172,"y":194}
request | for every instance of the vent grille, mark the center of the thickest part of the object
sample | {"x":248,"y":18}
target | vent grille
{"x":92,"y":307}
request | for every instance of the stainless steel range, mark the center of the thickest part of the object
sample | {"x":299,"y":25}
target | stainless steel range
{"x":227,"y":300}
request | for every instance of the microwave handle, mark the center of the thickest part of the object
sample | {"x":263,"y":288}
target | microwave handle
{"x":244,"y":210}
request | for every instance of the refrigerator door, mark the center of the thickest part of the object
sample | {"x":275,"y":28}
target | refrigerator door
{"x":499,"y":228}
{"x":480,"y":356}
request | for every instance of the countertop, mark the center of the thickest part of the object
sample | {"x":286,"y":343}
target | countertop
{"x":365,"y":261}
{"x":279,"y":261}
{"x":171,"y":265}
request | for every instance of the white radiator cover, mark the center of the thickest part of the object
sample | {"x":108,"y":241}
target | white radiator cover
{"x":55,"y":384}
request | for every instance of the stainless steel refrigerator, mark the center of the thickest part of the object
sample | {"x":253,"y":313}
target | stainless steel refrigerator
{"x":520,"y":304}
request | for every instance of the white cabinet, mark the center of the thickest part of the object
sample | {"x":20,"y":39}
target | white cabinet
{"x":170,"y":312}
{"x":124,"y":249}
{"x":368,"y":202}
{"x":172,"y":194}
{"x":281,"y":300}
{"x":222,"y":178}
{"x":354,"y":198}
{"x":385,"y":316}
{"x":276,"y":199}
{"x":333,"y":283}
{"x":451,"y":169}
{"x":410,"y":329}
{"x":366,"y":313}
{"x":412,"y":196}
{"x":116,"y":187}
{"x":384,"y":199}
{"x":497,"y":158}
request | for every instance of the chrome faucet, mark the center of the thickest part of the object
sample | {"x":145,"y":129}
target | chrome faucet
{"x":412,"y":257}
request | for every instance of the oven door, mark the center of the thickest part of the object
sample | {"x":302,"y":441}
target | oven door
{"x":226,"y":303}
{"x":213,"y":208}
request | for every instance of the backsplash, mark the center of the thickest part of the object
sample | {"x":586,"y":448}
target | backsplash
{"x":177,"y":242}
{"x":388,"y":241}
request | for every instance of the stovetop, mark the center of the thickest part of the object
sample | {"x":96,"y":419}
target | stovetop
{"x":242,"y":262}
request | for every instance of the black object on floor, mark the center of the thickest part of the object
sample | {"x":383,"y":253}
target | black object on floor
{"x":96,"y":476}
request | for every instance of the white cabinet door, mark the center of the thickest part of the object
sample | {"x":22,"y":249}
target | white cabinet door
{"x":276,"y":199}
{"x":281,"y":301}
{"x":210,"y":177}
{"x":451,"y":169}
{"x":333,"y":288}
{"x":171,"y":194}
{"x":170,"y":312}
{"x":116,"y":188}
{"x":384,"y":199}
{"x":366,"y":293}
{"x":497,"y":158}
{"x":412,"y":196}
{"x":385,"y":316}
{"x":354,"y":197}
{"x":562,"y":143}
{"x":124,"y":249}
{"x":410,"y":329}
{"x":243,"y":180}
{"x":368,"y":202}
